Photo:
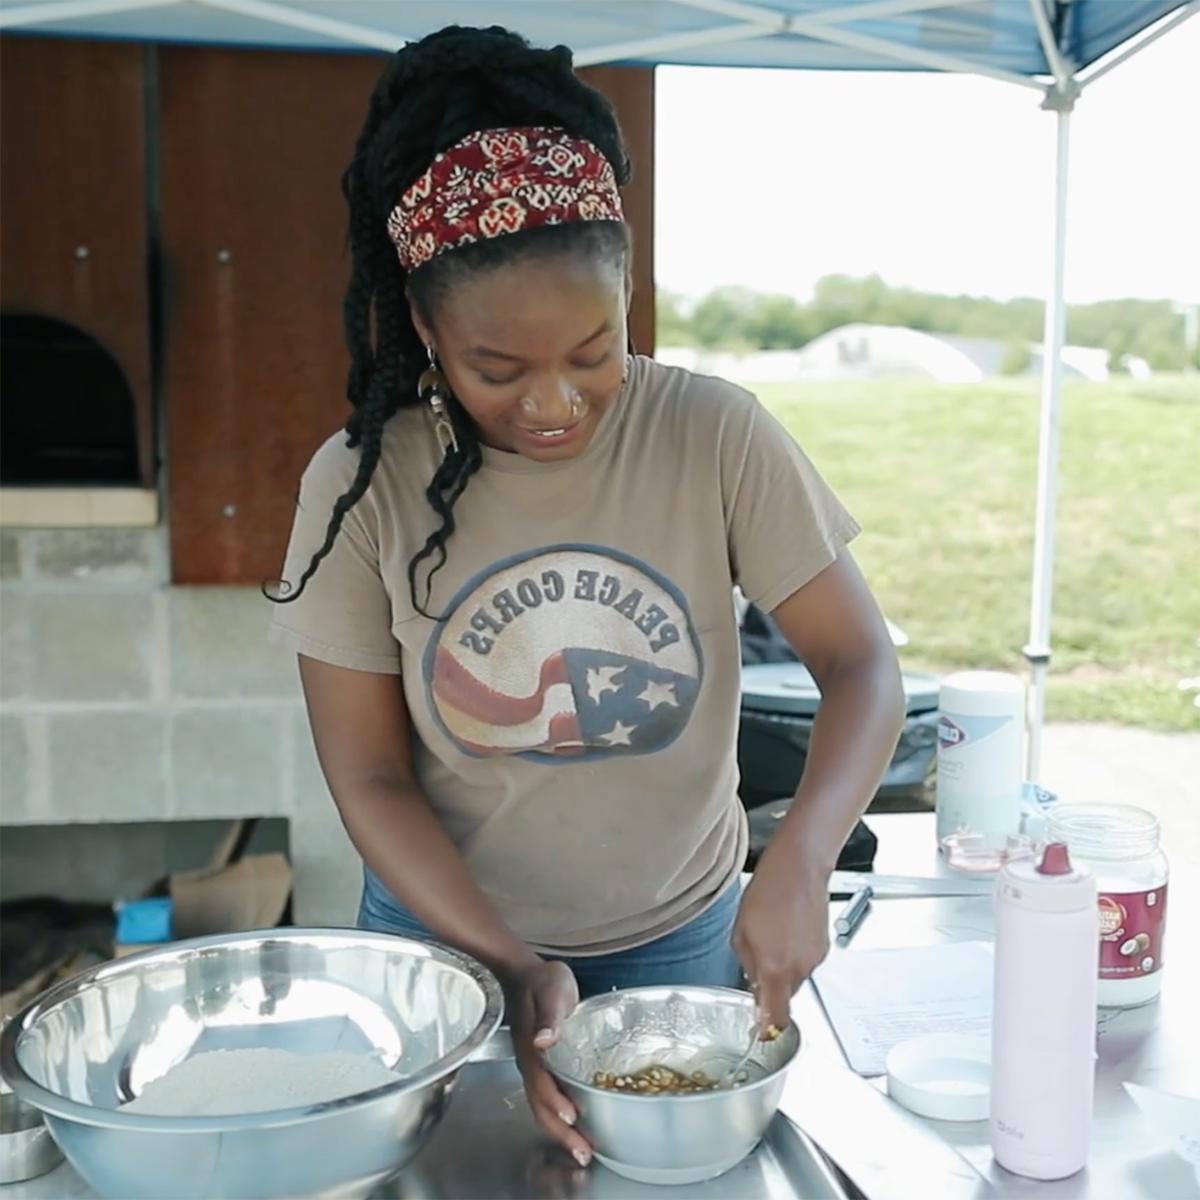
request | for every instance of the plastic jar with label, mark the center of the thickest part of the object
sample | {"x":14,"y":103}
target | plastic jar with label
{"x":1119,"y":844}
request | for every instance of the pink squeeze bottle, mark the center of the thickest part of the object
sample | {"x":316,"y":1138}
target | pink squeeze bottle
{"x":1044,"y":1016}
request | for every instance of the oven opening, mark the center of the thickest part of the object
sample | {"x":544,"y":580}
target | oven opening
{"x":67,"y":414}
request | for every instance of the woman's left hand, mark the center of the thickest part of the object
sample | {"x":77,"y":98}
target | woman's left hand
{"x":782,"y":932}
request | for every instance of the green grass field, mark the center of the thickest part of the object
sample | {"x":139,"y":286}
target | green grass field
{"x":943,"y":479}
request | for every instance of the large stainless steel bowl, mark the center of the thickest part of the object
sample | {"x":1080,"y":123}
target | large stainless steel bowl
{"x":94,"y":1042}
{"x":671,"y":1139}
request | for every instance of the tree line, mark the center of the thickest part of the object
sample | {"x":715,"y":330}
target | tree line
{"x":737,"y":319}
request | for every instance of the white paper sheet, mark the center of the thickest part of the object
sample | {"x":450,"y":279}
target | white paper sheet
{"x":1175,"y":1120}
{"x":876,"y":999}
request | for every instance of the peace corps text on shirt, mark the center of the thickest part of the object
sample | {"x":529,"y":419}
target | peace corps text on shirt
{"x":510,"y":604}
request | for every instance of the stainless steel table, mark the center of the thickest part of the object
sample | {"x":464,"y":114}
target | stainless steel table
{"x":891,"y":1154}
{"x":488,"y":1145}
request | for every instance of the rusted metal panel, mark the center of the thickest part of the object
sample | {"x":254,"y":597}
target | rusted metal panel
{"x":253,"y":144}
{"x":73,"y":226}
{"x":631,"y":90}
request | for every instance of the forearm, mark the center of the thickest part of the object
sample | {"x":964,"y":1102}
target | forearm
{"x":854,"y":735}
{"x":399,"y":837}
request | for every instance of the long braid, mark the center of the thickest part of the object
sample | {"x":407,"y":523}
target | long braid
{"x":431,"y":95}
{"x":448,"y":483}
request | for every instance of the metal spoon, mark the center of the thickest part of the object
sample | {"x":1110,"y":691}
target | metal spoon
{"x":731,"y":1076}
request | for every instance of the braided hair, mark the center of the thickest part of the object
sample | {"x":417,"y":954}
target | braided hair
{"x":431,"y":95}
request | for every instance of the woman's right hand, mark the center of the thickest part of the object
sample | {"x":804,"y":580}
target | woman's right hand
{"x":543,"y":996}
{"x":360,"y":721}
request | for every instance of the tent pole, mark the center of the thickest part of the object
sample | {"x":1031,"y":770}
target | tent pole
{"x":1102,"y":66}
{"x":14,"y":17}
{"x":1037,"y":651}
{"x":295,"y":18}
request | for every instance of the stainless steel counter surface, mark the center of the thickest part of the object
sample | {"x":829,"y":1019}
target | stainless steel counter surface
{"x":488,"y":1147}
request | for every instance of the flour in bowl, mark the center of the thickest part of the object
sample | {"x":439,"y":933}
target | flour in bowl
{"x":228,"y":1083}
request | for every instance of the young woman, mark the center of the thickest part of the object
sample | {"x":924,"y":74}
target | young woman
{"x":510,"y":586}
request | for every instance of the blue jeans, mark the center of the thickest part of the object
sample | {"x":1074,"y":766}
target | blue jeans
{"x":698,"y":953}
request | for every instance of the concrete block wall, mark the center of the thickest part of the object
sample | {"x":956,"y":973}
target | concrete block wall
{"x":124,"y":699}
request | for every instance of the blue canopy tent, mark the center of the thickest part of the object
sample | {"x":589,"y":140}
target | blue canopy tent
{"x":1056,"y":48}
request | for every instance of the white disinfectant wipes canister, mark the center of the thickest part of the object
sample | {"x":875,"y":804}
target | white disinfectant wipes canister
{"x":981,"y":733}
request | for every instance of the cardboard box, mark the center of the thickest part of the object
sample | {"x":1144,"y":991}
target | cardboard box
{"x":230,"y":895}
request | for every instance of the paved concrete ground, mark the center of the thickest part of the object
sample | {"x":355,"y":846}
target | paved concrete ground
{"x":1111,"y":765}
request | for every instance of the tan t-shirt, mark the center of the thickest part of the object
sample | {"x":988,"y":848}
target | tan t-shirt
{"x":576,"y":710}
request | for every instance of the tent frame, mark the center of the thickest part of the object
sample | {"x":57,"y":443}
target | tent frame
{"x":1060,"y":90}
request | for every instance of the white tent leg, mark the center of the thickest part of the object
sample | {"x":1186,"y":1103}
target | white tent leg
{"x":1037,"y":651}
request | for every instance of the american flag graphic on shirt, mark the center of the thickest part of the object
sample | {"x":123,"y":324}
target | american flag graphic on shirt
{"x":565,"y":653}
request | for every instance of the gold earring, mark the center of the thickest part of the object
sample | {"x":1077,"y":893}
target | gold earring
{"x":434,"y":389}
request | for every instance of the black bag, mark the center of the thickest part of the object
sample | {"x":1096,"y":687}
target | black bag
{"x":858,"y":854}
{"x":38,"y":931}
{"x":762,"y":641}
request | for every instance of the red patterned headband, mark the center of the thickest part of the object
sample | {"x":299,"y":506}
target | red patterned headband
{"x":499,"y":181}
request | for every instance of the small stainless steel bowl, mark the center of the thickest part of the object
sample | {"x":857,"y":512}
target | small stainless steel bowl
{"x":26,"y":1148}
{"x":671,"y":1139}
{"x":94,"y":1042}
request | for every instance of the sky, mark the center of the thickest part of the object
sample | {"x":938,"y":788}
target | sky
{"x":771,"y":179}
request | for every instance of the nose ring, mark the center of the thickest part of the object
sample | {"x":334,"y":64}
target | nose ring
{"x":575,"y":403}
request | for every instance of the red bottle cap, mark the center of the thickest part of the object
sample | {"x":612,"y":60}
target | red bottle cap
{"x":1055,"y":860}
